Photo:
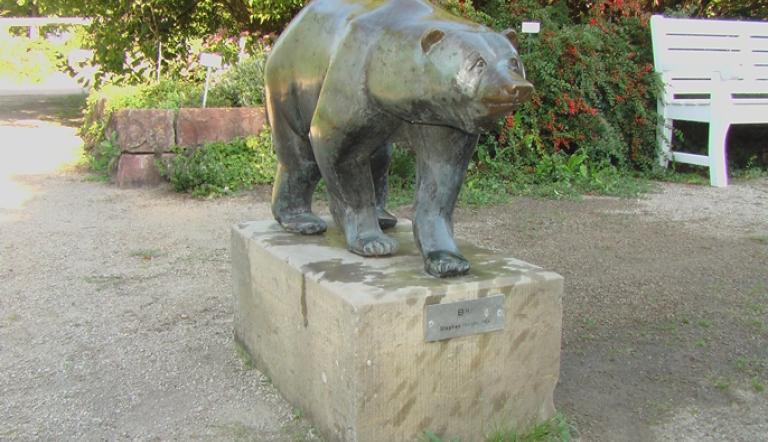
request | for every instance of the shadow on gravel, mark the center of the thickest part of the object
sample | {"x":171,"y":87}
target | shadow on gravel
{"x":62,"y":109}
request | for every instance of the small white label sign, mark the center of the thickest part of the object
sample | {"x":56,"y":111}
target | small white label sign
{"x":531,"y":27}
{"x":210,"y":60}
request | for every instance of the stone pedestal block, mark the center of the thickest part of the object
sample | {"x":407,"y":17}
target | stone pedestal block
{"x":195,"y":127}
{"x":137,"y":170}
{"x":344,"y":337}
{"x":144,"y":130}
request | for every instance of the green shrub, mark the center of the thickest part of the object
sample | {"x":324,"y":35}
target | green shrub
{"x":402,"y":173}
{"x":243,"y":84}
{"x":165,"y":94}
{"x":590,"y":125}
{"x":222,"y":168}
{"x":103,"y":160}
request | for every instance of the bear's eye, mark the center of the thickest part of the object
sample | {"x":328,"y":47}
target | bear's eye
{"x":479,"y":65}
{"x":515,"y":64}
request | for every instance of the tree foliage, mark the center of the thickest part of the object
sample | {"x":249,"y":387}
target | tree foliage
{"x":129,"y":37}
{"x":38,"y":8}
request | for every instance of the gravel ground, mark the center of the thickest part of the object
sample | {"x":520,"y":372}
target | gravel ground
{"x":116,"y":312}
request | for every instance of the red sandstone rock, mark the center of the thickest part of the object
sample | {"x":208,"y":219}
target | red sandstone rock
{"x":144,"y":130}
{"x":195,"y":127}
{"x":137,"y":170}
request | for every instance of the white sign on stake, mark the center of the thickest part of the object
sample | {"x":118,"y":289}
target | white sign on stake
{"x":531,"y":27}
{"x":210,"y":60}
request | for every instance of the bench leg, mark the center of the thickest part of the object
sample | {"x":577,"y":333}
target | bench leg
{"x":663,"y":135}
{"x":664,"y":138}
{"x":718,"y":165}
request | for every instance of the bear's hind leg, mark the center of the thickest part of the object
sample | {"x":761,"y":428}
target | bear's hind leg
{"x":380,"y":169}
{"x":352,"y":196}
{"x":295,"y":181}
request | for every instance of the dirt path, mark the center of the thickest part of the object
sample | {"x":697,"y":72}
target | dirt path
{"x":115,"y":305}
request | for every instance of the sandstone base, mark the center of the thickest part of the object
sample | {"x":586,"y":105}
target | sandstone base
{"x":343,"y":337}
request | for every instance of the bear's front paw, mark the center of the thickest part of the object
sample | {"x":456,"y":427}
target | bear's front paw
{"x":445,"y":264}
{"x":304,"y":223}
{"x":379,"y":245}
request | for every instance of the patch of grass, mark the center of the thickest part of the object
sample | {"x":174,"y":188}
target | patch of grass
{"x":720,"y":383}
{"x":239,"y":432}
{"x":556,"y":429}
{"x":757,"y":385}
{"x":146,"y":254}
{"x":104,"y":282}
{"x":432,"y":437}
{"x":103,"y":279}
{"x":701,"y":343}
{"x":95,"y":178}
{"x":751,"y":365}
{"x":299,"y":431}
{"x":758,"y":325}
{"x":669,"y":327}
{"x":750,"y":171}
{"x":756,"y":308}
{"x":244,"y":356}
{"x":670,"y":175}
{"x":741,"y":363}
{"x":704,"y":323}
{"x":621,"y":351}
{"x":760,"y":239}
{"x":679,"y":173}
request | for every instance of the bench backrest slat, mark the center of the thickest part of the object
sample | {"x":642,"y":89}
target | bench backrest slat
{"x":710,"y":45}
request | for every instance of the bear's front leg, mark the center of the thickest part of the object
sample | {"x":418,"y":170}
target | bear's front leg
{"x":345,"y":163}
{"x":443,"y":155}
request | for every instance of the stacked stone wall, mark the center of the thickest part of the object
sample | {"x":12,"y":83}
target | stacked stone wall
{"x":146,"y":135}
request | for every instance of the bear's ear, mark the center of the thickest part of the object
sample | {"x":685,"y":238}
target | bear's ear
{"x":512,"y":37}
{"x":431,"y":38}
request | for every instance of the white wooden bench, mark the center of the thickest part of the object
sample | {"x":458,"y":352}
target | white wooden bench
{"x":714,"y":71}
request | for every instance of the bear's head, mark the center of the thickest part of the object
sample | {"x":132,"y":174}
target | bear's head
{"x":474,"y":76}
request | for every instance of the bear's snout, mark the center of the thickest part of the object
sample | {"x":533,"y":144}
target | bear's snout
{"x":509,"y":96}
{"x":518,"y":92}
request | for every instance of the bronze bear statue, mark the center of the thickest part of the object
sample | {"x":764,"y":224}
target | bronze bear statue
{"x":346,"y":78}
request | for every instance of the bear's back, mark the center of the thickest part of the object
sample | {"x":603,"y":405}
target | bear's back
{"x":313,"y":37}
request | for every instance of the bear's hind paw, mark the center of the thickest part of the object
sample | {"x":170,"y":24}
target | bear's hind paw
{"x":304,"y":223}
